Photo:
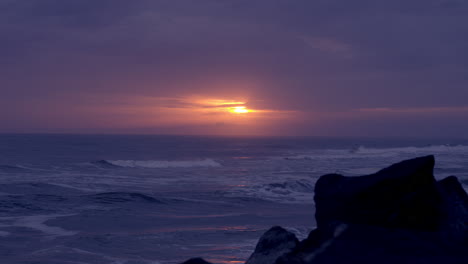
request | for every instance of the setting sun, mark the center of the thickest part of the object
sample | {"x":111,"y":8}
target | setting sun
{"x":239,"y":110}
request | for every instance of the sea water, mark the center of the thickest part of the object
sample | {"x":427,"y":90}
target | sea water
{"x":163,"y":199}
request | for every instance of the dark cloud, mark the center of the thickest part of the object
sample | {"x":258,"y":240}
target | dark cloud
{"x":310,"y":56}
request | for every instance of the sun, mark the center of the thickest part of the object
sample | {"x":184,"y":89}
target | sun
{"x":239,"y":110}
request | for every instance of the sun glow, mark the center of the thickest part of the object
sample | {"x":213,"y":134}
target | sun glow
{"x":222,"y":105}
{"x":200,"y":115}
{"x":239,"y":110}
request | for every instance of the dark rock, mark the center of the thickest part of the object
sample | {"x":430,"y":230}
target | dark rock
{"x":397,"y":215}
{"x":196,"y":261}
{"x":403,"y":195}
{"x":372,"y":244}
{"x":454,"y":210}
{"x":274,"y":243}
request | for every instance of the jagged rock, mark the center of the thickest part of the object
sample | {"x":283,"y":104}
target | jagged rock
{"x":403,"y":195}
{"x":196,"y":261}
{"x":274,"y":243}
{"x":454,"y":210}
{"x":397,"y":215}
{"x":371,"y":244}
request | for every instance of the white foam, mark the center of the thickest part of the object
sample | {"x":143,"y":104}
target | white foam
{"x":300,"y":232}
{"x":319,"y":155}
{"x":435,"y":149}
{"x":290,"y":192}
{"x":164,"y":163}
{"x":365,"y":152}
{"x":37,"y":222}
{"x":77,"y":188}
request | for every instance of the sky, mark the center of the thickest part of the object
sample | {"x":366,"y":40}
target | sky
{"x":364,"y":68}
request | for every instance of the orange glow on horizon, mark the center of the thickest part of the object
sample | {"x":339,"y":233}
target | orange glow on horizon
{"x":222,"y":105}
{"x":197,"y":115}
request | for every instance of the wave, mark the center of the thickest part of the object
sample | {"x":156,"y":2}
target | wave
{"x":156,"y":164}
{"x":102,"y":163}
{"x":123,"y":197}
{"x":17,"y":204}
{"x":38,"y":223}
{"x":13,"y":168}
{"x":27,"y":188}
{"x":426,"y":149}
{"x":292,"y":191}
{"x":24,"y":198}
{"x":363,"y":152}
{"x":288,"y":186}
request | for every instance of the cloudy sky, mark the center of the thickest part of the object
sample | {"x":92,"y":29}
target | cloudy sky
{"x":235,"y":67}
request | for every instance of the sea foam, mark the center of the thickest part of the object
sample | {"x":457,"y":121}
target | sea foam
{"x":163,"y":163}
{"x":393,"y":152}
{"x":289,"y":192}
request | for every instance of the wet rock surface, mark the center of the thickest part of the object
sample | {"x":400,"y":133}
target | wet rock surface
{"x":274,"y":243}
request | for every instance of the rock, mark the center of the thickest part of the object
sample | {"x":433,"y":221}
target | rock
{"x":397,"y":215}
{"x":274,"y":243}
{"x":454,"y":210}
{"x":371,"y":244}
{"x":196,"y":261}
{"x":403,"y":195}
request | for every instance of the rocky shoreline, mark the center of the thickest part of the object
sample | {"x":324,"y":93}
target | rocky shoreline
{"x":400,"y":214}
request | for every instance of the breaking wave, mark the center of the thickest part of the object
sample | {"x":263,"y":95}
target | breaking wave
{"x":155,"y":164}
{"x":27,"y":188}
{"x":13,"y":168}
{"x":433,"y":149}
{"x":362,"y":152}
{"x":292,"y":191}
{"x":123,"y":197}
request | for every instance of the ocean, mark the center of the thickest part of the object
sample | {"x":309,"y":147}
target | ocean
{"x":123,"y":199}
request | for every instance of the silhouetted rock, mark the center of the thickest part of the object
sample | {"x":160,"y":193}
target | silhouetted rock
{"x":372,"y":244}
{"x":196,"y":261}
{"x":397,"y":215}
{"x":454,"y":210}
{"x":403,"y":195}
{"x":274,"y":243}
